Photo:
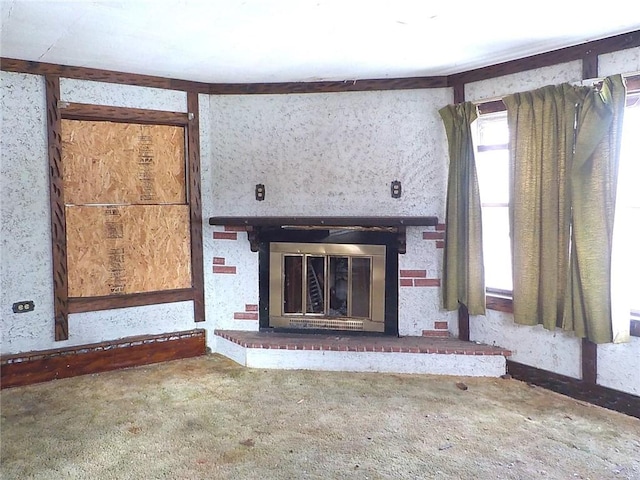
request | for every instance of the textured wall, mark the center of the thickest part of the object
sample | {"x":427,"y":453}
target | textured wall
{"x":619,"y":366}
{"x":116,"y":95}
{"x":495,"y":88}
{"x":321,"y":154}
{"x":419,"y":294}
{"x":556,"y":351}
{"x":26,"y":264}
{"x":329,"y":154}
{"x":619,"y":62}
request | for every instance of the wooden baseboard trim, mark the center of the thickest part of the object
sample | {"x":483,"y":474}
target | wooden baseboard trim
{"x":572,"y":387}
{"x":35,"y":367}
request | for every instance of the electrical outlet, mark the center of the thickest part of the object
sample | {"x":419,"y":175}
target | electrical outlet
{"x":23,"y":307}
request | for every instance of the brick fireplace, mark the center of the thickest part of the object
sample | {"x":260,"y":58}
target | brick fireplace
{"x":335,"y":273}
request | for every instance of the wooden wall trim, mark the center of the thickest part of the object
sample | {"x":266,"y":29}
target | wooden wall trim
{"x":587,"y":392}
{"x":83,"y":111}
{"x":409,"y":83}
{"x":56,"y":199}
{"x":35,"y":367}
{"x":94,"y":304}
{"x":269,"y":221}
{"x":195,"y":206}
{"x":562,"y":55}
{"x":635,"y":328}
{"x":589,"y":361}
{"x":98,"y":75}
{"x":464,"y":332}
{"x":589,"y":65}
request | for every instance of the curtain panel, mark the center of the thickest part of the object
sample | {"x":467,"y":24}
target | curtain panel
{"x":463,"y":269}
{"x":564,"y":151}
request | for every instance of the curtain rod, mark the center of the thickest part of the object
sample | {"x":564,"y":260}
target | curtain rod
{"x":583,"y":83}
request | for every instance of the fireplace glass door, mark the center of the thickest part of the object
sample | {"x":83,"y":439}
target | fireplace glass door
{"x":331,"y":286}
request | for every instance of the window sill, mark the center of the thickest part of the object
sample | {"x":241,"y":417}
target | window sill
{"x":504,"y":303}
{"x":501,"y":303}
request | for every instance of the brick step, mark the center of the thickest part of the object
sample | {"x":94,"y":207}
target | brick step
{"x":436,"y":333}
{"x":353,"y":353}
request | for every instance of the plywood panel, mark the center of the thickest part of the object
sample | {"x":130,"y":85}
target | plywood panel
{"x":122,"y":163}
{"x":114,"y":250}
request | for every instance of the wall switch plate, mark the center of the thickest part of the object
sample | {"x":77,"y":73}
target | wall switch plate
{"x":23,"y":307}
{"x":396,"y":189}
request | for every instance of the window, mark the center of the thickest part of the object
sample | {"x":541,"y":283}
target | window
{"x":492,"y":165}
{"x":627,"y":228}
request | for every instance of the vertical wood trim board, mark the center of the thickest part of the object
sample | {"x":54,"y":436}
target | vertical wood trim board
{"x":58,"y":223}
{"x":197,"y":257}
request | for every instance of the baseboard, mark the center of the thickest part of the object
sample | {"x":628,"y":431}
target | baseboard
{"x":42,"y":366}
{"x":572,"y":387}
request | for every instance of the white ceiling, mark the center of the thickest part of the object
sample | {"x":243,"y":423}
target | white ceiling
{"x":229,"y":41}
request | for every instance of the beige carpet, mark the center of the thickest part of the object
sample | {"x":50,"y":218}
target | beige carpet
{"x":210,"y":418}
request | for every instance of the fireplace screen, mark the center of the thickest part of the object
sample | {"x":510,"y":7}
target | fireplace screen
{"x":332,"y":286}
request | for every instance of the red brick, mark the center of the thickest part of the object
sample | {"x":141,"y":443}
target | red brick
{"x":439,"y":243}
{"x":406,"y":282}
{"x":249,"y":307}
{"x":235,"y":228}
{"x":433,"y":235}
{"x":225,"y":236}
{"x":223,"y":269}
{"x":427,"y":282}
{"x":440,"y":227}
{"x":435,"y":333}
{"x":245,"y":316}
{"x":413,"y":273}
{"x":441,"y":325}
{"x":218,"y":260}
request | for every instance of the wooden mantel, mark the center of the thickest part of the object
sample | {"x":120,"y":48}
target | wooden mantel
{"x":254,"y":225}
{"x":326,"y":221}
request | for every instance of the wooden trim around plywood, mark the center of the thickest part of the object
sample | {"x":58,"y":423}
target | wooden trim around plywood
{"x":79,"y":111}
{"x":56,"y":199}
{"x":82,"y":111}
{"x":35,"y":367}
{"x":94,"y":304}
{"x":195,"y":205}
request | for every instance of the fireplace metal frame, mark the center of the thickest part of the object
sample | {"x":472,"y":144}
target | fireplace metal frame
{"x":304,"y":319}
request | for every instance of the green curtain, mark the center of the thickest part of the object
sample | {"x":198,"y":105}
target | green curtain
{"x":564,"y":148}
{"x":541,"y":125}
{"x":463,"y":269}
{"x":593,"y":181}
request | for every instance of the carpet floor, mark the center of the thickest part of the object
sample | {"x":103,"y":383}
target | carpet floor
{"x":209,"y":418}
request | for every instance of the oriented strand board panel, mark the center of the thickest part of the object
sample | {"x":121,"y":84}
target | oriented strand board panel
{"x":122,"y":163}
{"x":115,"y":250}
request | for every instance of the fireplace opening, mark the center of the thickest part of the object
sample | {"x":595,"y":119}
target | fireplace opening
{"x":343,"y":280}
{"x":327,"y":285}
